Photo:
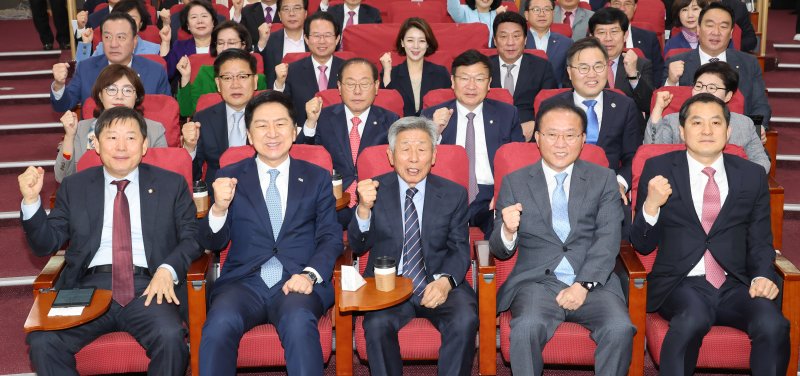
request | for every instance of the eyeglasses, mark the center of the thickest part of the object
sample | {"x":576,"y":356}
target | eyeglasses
{"x":584,"y":68}
{"x":544,"y":10}
{"x":228,"y":78}
{"x":326,"y":36}
{"x":127,"y":90}
{"x":552,"y":138}
{"x":601,"y":34}
{"x":296,"y":9}
{"x":364,"y":85}
{"x":623,"y":4}
{"x":478,"y":80}
{"x":710,"y":88}
{"x":232,"y":43}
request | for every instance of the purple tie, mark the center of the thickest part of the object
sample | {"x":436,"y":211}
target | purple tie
{"x":715,"y":275}
{"x":268,"y":15}
{"x":322,"y":82}
{"x":121,"y":249}
{"x":351,"y":19}
{"x":469,"y":144}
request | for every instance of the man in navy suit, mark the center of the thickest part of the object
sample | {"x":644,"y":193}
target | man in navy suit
{"x":254,"y":15}
{"x":140,"y":252}
{"x":523,"y":75}
{"x":122,"y":30}
{"x":289,"y":39}
{"x":221,"y":126}
{"x":356,"y":10}
{"x":631,"y":74}
{"x":540,"y":16}
{"x":480,"y":125}
{"x":715,"y":29}
{"x":347,"y":128}
{"x":302,"y":79}
{"x":420,"y":220}
{"x":708,"y":214}
{"x":279,"y":215}
{"x":614,"y":122}
{"x":645,"y":40}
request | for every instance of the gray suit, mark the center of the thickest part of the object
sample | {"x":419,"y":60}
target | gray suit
{"x":743,"y":133}
{"x":580,"y":23}
{"x":595,"y":217}
{"x":64,"y":167}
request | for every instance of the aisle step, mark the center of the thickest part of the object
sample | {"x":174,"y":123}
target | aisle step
{"x":24,"y":164}
{"x":783,"y":90}
{"x":788,"y":157}
{"x":42,"y":72}
{"x":30,"y":53}
{"x":24,"y":96}
{"x":18,"y":281}
{"x":786,"y":46}
{"x":788,"y":65}
{"x":784,"y":119}
{"x":14,"y":127}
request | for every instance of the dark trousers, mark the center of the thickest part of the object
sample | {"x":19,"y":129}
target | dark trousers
{"x":695,"y":305}
{"x":479,"y":214}
{"x":457,"y":322}
{"x":158,"y":328}
{"x":42,"y":22}
{"x":238,"y":306}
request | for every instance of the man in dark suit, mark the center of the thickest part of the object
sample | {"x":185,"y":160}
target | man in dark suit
{"x":480,"y":125}
{"x":631,"y":74}
{"x":302,"y":79}
{"x":131,"y":229}
{"x":41,"y":20}
{"x":352,"y":12}
{"x":523,"y":75}
{"x":565,"y":216}
{"x":64,"y":97}
{"x":645,"y":40}
{"x":254,"y":15}
{"x":614,"y":122}
{"x":714,"y":32}
{"x":222,"y":125}
{"x":708,"y":214}
{"x":347,"y":128}
{"x":279,"y":215}
{"x":289,"y":39}
{"x":420,"y":220}
{"x":540,"y":16}
{"x":741,"y":16}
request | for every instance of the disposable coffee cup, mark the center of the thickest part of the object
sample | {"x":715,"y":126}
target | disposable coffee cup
{"x":200,"y":196}
{"x":336,"y":179}
{"x":385,"y":272}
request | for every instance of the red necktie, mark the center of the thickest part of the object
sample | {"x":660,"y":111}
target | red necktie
{"x":715,"y":275}
{"x":322,"y":81}
{"x":611,"y":74}
{"x":355,"y":142}
{"x":566,"y":19}
{"x":121,"y":249}
{"x":351,"y":19}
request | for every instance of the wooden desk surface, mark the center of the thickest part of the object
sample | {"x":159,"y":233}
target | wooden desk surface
{"x":344,"y":201}
{"x":369,"y":298}
{"x":38,"y":319}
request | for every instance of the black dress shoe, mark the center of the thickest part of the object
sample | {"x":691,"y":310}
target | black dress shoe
{"x":48,"y":46}
{"x":64,"y":46}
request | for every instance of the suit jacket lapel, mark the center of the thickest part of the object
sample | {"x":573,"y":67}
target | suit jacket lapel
{"x":250,"y":187}
{"x":541,"y":197}
{"x":680,"y":172}
{"x":609,"y":107}
{"x":149,"y":209}
{"x":427,"y":80}
{"x":577,"y":192}
{"x":523,"y":78}
{"x":492,"y":137}
{"x":372,"y":131}
{"x":340,"y":133}
{"x":336,"y":63}
{"x":95,"y":206}
{"x":297,"y":190}
{"x":734,"y":187}
{"x":311,"y":74}
{"x":221,"y":130}
{"x":621,"y":79}
{"x":432,"y":195}
{"x":450,"y":132}
{"x":394,"y":212}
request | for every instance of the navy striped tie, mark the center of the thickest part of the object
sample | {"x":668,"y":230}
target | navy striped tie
{"x":413,"y":265}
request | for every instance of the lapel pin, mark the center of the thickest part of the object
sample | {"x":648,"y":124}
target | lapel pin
{"x":374,"y":122}
{"x":491,"y":121}
{"x":613,"y":105}
{"x":300,"y":179}
{"x":150,"y":191}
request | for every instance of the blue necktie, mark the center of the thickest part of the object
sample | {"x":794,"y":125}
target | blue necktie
{"x":413,"y":265}
{"x":272,"y":270}
{"x":593,"y":126}
{"x":560,"y":213}
{"x":235,"y":137}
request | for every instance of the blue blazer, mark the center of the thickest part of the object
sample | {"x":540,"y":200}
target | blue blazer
{"x":434,"y":77}
{"x":556,"y":54}
{"x":740,"y":238}
{"x":332,"y":134}
{"x":301,"y":83}
{"x":445,"y":240}
{"x":309,"y":236}
{"x":79,"y":88}
{"x":751,"y":82}
{"x":621,"y":130}
{"x":647,"y":41}
{"x":272,"y":55}
{"x":169,"y":227}
{"x":535,"y":74}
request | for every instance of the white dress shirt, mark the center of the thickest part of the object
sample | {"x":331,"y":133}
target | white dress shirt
{"x":704,"y":57}
{"x":483,"y":168}
{"x":229,"y":111}
{"x":290,"y":45}
{"x":316,"y":65}
{"x":346,"y":10}
{"x":543,"y":42}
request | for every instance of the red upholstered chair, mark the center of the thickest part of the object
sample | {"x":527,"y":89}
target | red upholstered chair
{"x":295,"y":56}
{"x":654,"y":27}
{"x":571,"y":344}
{"x":115,"y":352}
{"x":156,"y":58}
{"x":150,"y":34}
{"x":431,"y":11}
{"x":585,"y":5}
{"x":723,"y":347}
{"x":419,"y":339}
{"x":157,"y":107}
{"x":676,"y":51}
{"x":681,"y":93}
{"x":387,"y":98}
{"x":562,"y":29}
{"x":651,"y":11}
{"x":259,"y":347}
{"x":437,"y":96}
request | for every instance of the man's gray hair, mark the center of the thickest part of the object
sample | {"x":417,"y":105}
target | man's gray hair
{"x":410,"y":123}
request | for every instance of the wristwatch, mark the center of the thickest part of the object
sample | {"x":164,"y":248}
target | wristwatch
{"x":636,"y":77}
{"x":310,"y":275}
{"x":589,"y":286}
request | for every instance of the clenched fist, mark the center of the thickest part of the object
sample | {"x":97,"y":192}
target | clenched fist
{"x":30,"y":184}
{"x":386,"y":61}
{"x":184,"y":67}
{"x":442,"y":117}
{"x":60,"y":71}
{"x":263,"y":32}
{"x":313,"y":108}
{"x":501,"y":9}
{"x":281,"y":71}
{"x":629,"y":62}
{"x":511,"y":215}
{"x":87,"y":35}
{"x":82,"y":17}
{"x":367,"y":194}
{"x":658,"y":191}
{"x":224,"y":189}
{"x":164,"y":16}
{"x":70,"y":123}
{"x":165,"y":33}
{"x":675,"y":71}
{"x":191,"y":133}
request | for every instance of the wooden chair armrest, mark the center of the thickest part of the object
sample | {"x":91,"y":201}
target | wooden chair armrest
{"x":346,"y":258}
{"x":486,"y":286}
{"x":199,"y":267}
{"x":776,"y":201}
{"x":196,"y":291}
{"x":772,"y":151}
{"x":633,"y":266}
{"x":47,"y":278}
{"x":634,"y":284}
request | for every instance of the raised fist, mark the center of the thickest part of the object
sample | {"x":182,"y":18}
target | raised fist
{"x":511,"y":216}
{"x":30,"y":184}
{"x":191,"y":133}
{"x":442,"y":117}
{"x":224,"y":189}
{"x":70,"y":123}
{"x":87,"y":35}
